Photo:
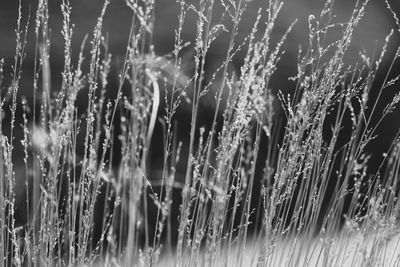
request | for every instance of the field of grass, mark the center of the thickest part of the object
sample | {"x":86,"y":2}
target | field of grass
{"x":101,"y":173}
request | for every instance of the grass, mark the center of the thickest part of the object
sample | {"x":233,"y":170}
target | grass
{"x":89,"y":195}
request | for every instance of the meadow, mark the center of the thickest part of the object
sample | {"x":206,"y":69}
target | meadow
{"x":191,"y":156}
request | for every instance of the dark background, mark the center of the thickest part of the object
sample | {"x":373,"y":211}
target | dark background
{"x":369,"y":35}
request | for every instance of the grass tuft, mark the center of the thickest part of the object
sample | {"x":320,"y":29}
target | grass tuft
{"x":272,"y":178}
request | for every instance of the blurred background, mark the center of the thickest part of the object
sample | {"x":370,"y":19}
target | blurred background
{"x":370,"y":35}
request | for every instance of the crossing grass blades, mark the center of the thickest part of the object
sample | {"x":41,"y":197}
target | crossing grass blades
{"x":319,"y":203}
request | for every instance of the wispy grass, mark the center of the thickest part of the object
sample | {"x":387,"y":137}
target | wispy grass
{"x":319,"y":203}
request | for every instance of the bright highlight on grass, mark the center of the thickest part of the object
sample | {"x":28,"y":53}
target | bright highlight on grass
{"x":319,"y":203}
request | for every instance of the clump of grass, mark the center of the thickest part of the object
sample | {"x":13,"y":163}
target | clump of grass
{"x":319,"y":202}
